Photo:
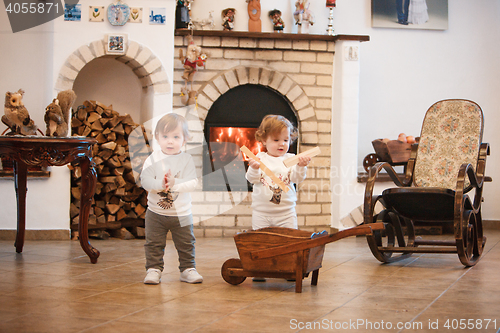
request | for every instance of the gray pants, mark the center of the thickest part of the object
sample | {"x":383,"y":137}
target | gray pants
{"x":157,"y":228}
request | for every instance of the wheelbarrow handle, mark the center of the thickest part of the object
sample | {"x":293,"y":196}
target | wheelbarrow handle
{"x":365,"y":229}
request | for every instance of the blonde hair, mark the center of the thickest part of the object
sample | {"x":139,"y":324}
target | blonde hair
{"x":169,"y":122}
{"x":274,"y":125}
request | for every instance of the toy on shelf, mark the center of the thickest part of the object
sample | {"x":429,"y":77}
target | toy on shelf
{"x":57,"y":114}
{"x":278,"y":23}
{"x":228,"y":19}
{"x":205,"y":24}
{"x":16,"y":116}
{"x":254,"y":22}
{"x":303,"y":16}
{"x":182,"y":18}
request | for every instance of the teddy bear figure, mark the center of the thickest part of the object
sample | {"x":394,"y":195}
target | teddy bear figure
{"x":57,"y":114}
{"x":192,"y":60}
{"x":16,"y":116}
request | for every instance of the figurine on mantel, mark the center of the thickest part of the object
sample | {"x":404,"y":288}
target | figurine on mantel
{"x":278,"y":23}
{"x":228,"y":19}
{"x":205,"y":24}
{"x":17,"y":117}
{"x":254,"y":22}
{"x":303,"y":16}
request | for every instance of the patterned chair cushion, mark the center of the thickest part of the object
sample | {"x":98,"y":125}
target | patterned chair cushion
{"x":451,"y":135}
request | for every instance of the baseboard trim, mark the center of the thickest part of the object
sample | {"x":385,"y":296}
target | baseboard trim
{"x":57,"y":234}
{"x":491,"y":224}
{"x":63,"y":234}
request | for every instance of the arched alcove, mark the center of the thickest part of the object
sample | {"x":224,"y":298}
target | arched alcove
{"x":111,"y":83}
{"x":143,"y":63}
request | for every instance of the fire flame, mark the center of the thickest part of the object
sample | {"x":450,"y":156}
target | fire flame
{"x":240,"y":136}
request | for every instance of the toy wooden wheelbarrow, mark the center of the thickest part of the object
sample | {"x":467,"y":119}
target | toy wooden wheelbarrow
{"x":283,"y":253}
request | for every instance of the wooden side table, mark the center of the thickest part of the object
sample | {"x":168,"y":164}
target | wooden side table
{"x":49,"y":151}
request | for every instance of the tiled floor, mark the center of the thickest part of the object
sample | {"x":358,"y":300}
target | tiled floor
{"x":52,"y":287}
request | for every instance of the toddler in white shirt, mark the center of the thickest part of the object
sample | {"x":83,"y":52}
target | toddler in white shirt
{"x":271,"y":206}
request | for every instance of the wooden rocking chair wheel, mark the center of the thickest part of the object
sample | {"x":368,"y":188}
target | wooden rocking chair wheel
{"x":471,"y":245}
{"x":231,"y":279}
{"x":370,"y":161}
{"x":392,"y":236}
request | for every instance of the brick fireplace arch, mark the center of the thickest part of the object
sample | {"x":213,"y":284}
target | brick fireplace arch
{"x":148,"y":68}
{"x":268,"y":77}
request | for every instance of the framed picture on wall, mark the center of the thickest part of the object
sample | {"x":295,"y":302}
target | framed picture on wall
{"x":73,"y":12}
{"x":410,"y":14}
{"x":116,"y":44}
{"x":157,"y":15}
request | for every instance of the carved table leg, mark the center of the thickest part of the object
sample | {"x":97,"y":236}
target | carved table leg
{"x":89,"y":178}
{"x":21,"y":184}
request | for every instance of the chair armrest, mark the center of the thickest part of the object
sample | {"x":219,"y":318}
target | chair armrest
{"x":484,"y":150}
{"x":467,"y":171}
{"x":369,"y":201}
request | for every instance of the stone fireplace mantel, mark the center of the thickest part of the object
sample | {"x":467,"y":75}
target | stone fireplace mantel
{"x":270,"y":35}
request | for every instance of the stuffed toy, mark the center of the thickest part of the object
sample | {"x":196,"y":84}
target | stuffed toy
{"x":57,"y":113}
{"x":194,"y":58}
{"x":17,"y":117}
{"x":188,"y":97}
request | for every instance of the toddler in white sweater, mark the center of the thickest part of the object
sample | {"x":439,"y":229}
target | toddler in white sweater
{"x":271,"y":206}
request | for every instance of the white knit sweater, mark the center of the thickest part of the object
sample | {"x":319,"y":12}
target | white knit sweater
{"x":177,"y":200}
{"x":267,"y":197}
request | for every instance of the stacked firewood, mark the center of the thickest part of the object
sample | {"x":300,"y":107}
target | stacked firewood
{"x":119,"y":201}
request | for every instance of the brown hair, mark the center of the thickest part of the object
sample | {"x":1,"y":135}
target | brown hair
{"x":274,"y":125}
{"x":169,"y":122}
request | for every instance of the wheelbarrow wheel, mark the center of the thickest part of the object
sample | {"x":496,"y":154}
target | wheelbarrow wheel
{"x":370,"y":161}
{"x":231,"y":279}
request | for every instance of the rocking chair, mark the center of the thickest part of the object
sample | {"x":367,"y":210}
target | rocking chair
{"x":443,"y":169}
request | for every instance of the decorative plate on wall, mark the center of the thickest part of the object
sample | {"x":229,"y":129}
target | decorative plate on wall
{"x":118,"y":13}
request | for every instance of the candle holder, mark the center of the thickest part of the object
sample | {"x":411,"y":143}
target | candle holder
{"x":190,"y":23}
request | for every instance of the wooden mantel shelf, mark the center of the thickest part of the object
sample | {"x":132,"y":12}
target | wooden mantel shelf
{"x":270,"y":35}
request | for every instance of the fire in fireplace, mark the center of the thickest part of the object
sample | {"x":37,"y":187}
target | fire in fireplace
{"x":240,"y":136}
{"x":224,"y":164}
{"x":231,"y":123}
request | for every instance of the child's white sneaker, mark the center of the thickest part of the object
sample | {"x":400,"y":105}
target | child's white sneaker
{"x":153,"y":276}
{"x":190,"y":275}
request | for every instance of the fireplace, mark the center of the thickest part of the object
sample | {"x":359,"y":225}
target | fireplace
{"x":230,"y":124}
{"x":245,"y":73}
